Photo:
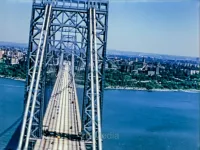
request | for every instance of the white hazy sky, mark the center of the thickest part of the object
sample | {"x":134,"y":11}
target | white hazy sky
{"x":153,"y":26}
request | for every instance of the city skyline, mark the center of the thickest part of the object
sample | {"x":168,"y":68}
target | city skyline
{"x":148,"y":26}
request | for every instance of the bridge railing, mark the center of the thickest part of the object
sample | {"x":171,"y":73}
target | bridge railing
{"x":77,"y":107}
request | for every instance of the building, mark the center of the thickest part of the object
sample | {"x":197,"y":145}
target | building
{"x":1,"y":54}
{"x":151,"y":73}
{"x":111,"y":65}
{"x":193,"y":72}
{"x":14,"y":61}
{"x":157,"y":70}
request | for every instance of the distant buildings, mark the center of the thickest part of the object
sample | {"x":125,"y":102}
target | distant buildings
{"x":150,"y":66}
{"x":11,"y":56}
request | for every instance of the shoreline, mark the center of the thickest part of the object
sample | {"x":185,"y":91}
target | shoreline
{"x":144,"y":89}
{"x":13,"y":78}
{"x":152,"y":90}
{"x":123,"y":88}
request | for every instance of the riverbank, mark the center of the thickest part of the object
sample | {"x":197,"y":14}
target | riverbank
{"x":158,"y":90}
{"x":13,"y":78}
{"x":144,"y":89}
{"x":126,"y":88}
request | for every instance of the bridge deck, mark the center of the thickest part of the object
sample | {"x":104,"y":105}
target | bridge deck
{"x":62,"y":124}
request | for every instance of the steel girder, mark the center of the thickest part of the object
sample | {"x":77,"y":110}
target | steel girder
{"x":90,"y":88}
{"x":35,"y":78}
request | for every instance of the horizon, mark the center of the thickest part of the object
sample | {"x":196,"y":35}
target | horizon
{"x":124,"y":51}
{"x":150,"y":26}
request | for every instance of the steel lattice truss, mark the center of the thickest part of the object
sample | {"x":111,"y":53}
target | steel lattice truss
{"x":68,"y":38}
{"x":100,"y":36}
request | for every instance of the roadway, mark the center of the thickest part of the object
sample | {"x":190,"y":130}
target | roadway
{"x":62,"y":123}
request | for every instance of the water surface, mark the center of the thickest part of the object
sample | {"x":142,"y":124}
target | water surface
{"x":132,"y":120}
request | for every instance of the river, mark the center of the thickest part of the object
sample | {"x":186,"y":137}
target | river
{"x":132,"y":120}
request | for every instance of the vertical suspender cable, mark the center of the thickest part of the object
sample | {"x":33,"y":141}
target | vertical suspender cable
{"x":38,"y":77}
{"x":92,"y":83}
{"x":97,"y":85}
{"x":31,"y":89}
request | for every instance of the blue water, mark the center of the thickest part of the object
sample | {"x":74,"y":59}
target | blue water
{"x":151,"y":120}
{"x":11,"y":107}
{"x":132,"y":120}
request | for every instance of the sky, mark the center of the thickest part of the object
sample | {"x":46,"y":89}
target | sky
{"x":151,"y":26}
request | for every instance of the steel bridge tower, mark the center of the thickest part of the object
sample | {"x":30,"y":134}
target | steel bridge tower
{"x":66,"y":29}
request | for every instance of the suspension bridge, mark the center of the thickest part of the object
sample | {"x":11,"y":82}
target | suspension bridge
{"x":67,"y":39}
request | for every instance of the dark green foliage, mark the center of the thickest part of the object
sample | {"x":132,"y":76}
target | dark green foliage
{"x":116,"y":78}
{"x":15,"y":71}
